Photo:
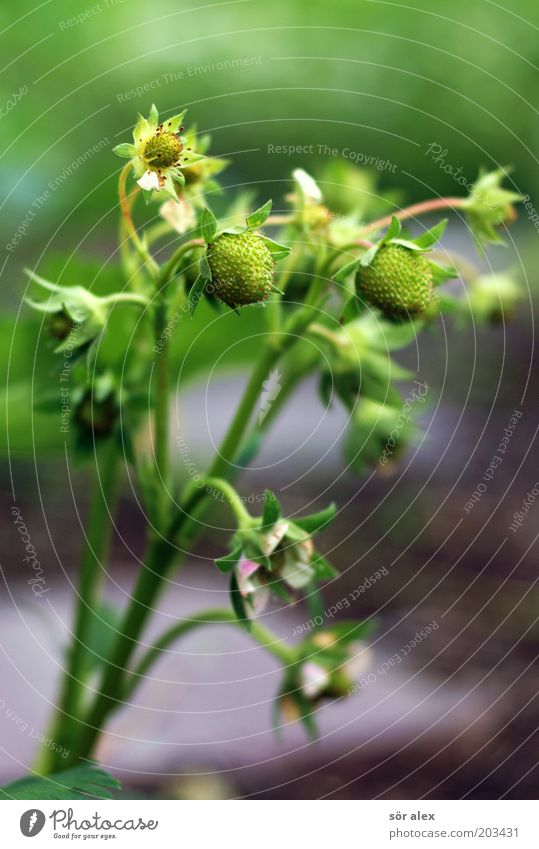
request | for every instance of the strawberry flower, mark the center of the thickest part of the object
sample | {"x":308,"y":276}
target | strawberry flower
{"x":271,"y":553}
{"x":329,"y":663}
{"x":158,"y":153}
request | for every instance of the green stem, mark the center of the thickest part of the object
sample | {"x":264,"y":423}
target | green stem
{"x":218,"y":616}
{"x":169,"y":268}
{"x":242,"y":515}
{"x":125,"y":297}
{"x":97,"y":541}
{"x":161,"y":417}
{"x":161,"y":553}
{"x":140,"y":608}
{"x":142,"y":250}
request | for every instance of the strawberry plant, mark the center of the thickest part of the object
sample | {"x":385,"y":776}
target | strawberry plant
{"x":314,"y":275}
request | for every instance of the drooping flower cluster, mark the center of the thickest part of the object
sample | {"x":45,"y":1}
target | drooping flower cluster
{"x":274,"y":554}
{"x":328,"y":666}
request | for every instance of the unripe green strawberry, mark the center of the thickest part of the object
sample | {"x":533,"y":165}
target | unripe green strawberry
{"x":398,"y":282}
{"x":242,"y":268}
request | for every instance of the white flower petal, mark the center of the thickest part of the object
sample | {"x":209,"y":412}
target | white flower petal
{"x":307,"y":185}
{"x":360,"y":661}
{"x":272,"y":539}
{"x":297,"y":574}
{"x":178,"y":214}
{"x":244,"y":571}
{"x":149,"y":180}
{"x":260,"y":599}
{"x":314,"y":679}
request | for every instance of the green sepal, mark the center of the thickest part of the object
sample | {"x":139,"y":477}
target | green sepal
{"x":272,"y":510}
{"x":277,"y":250}
{"x":179,"y":178}
{"x":317,"y":521}
{"x":238,"y":603}
{"x":442,"y":273}
{"x":125,"y":150}
{"x":306,"y":714}
{"x":353,"y":309}
{"x":204,"y":266}
{"x":323,"y":569}
{"x":229,"y":561}
{"x":367,"y":258}
{"x":195,"y":294}
{"x":393,"y":231}
{"x":430,"y":237}
{"x":342,"y":275}
{"x":208,"y":225}
{"x":257,"y":218}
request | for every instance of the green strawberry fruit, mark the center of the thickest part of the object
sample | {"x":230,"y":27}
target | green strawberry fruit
{"x":398,"y":282}
{"x":242,"y":268}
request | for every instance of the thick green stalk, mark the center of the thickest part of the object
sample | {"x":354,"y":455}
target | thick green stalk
{"x":161,"y":553}
{"x":96,"y":545}
{"x":140,"y":608}
{"x":232,"y":498}
{"x":162,"y":411}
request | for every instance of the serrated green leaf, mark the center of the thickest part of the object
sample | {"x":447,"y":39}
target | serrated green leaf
{"x":208,"y":225}
{"x":257,"y":218}
{"x":82,"y":782}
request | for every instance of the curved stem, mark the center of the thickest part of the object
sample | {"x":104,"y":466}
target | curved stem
{"x":132,"y":232}
{"x":169,"y":268}
{"x":232,"y":498}
{"x":414,"y":210}
{"x":217,"y":616}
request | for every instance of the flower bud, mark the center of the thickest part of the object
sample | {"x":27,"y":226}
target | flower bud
{"x":493,"y":298}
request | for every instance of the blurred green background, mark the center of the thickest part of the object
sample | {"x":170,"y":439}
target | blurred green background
{"x":384,"y":80}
